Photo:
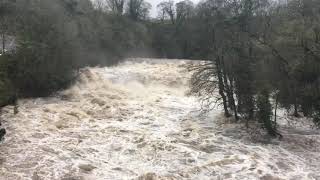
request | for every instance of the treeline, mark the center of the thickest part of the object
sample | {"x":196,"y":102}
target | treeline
{"x":54,"y":38}
{"x":263,"y":54}
{"x":176,"y":32}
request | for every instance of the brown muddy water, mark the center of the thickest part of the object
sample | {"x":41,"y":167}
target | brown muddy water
{"x":135,"y":121}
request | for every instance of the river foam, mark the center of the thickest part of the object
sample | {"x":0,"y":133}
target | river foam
{"x":134,"y":121}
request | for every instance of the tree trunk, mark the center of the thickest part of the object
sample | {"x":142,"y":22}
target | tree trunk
{"x":221,"y":88}
{"x":3,"y":43}
{"x":251,"y":100}
{"x":296,"y":114}
{"x":15,"y":104}
{"x":226,"y":84}
{"x":235,"y":110}
{"x":275,"y":112}
{"x":229,"y":91}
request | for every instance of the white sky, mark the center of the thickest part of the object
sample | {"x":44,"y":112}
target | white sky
{"x":154,"y":4}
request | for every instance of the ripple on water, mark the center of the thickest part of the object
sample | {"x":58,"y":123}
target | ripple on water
{"x":133,"y":121}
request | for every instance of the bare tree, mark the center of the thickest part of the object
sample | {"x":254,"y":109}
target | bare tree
{"x":167,"y":10}
{"x":4,"y":23}
{"x":184,"y":10}
{"x":116,"y":6}
{"x":138,"y":9}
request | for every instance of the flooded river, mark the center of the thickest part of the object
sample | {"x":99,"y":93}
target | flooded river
{"x":135,"y":121}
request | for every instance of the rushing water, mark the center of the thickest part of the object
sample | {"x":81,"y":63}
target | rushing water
{"x":134,"y":121}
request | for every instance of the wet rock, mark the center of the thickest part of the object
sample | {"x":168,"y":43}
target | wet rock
{"x":2,"y":133}
{"x":87,"y":167}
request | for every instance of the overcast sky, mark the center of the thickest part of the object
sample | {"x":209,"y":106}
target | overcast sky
{"x":154,"y":4}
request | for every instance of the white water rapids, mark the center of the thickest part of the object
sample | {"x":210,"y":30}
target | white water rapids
{"x":134,"y":121}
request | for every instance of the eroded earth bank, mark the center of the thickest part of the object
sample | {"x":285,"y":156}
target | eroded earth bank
{"x":135,"y":121}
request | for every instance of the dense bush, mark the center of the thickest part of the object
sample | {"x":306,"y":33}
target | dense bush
{"x":7,"y":90}
{"x":44,"y":58}
{"x":55,"y":38}
{"x":264,"y":44}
